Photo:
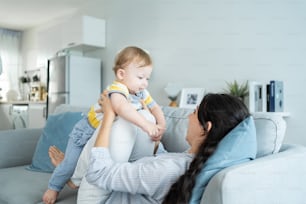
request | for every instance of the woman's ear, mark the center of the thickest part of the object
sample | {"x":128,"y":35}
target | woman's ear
{"x":208,"y":126}
{"x":120,"y":74}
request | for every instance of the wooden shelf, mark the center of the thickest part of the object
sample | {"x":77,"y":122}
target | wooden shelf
{"x":283,"y":114}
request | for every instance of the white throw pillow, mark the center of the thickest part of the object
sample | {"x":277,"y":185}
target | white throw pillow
{"x":270,"y":130}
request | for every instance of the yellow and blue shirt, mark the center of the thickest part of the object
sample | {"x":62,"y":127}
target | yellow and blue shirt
{"x":135,"y":99}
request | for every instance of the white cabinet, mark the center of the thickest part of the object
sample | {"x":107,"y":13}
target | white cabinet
{"x":37,"y":115}
{"x":5,"y":117}
{"x":83,"y":31}
{"x":22,"y":115}
{"x":77,"y":32}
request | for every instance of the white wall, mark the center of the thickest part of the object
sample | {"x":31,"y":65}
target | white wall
{"x":206,"y":43}
{"x":202,"y":43}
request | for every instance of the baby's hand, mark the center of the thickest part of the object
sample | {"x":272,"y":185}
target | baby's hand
{"x":158,"y":136}
{"x":152,"y":130}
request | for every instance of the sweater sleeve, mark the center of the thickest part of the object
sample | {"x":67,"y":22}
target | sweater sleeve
{"x":150,"y":175}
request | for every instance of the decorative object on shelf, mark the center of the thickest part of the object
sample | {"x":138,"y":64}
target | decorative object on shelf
{"x":12,"y":95}
{"x":239,"y":90}
{"x":24,"y":86}
{"x":173,"y":90}
{"x":30,"y":85}
{"x":191,"y":97}
{"x":257,"y":97}
{"x":35,"y":92}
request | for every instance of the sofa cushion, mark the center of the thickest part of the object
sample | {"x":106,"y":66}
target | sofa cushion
{"x":270,"y":130}
{"x":238,"y":146}
{"x":21,"y":186}
{"x":55,"y":132}
{"x":177,"y":123}
{"x":70,"y":108}
{"x":22,"y":151}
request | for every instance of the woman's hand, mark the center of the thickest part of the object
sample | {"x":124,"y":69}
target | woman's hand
{"x":161,"y":130}
{"x":102,"y":139}
{"x":106,"y":106}
{"x":100,"y":102}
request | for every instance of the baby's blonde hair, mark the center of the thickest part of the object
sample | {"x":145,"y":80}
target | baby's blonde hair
{"x":129,"y":55}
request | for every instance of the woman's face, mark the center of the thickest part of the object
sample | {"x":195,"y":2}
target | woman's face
{"x":195,"y":132}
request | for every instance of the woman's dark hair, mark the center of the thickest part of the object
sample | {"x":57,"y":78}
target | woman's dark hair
{"x":224,"y":112}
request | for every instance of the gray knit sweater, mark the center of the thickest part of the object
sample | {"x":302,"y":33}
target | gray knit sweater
{"x":146,"y":180}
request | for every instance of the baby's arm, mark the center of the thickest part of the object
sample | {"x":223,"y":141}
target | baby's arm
{"x":125,"y":109}
{"x":160,"y":118}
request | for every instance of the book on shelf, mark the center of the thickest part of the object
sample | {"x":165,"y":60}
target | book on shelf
{"x":275,"y":96}
{"x":268,"y":97}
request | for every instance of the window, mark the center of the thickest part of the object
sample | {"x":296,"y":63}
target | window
{"x":10,"y":52}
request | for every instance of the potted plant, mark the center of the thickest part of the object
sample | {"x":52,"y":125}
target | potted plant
{"x":239,"y":90}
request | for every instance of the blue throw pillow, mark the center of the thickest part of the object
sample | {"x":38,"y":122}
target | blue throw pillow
{"x":238,"y":146}
{"x":56,"y":132}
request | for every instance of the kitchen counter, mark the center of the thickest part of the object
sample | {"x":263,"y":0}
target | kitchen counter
{"x":22,"y":114}
{"x":22,"y":102}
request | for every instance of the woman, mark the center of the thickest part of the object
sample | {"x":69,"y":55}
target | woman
{"x":170,"y":177}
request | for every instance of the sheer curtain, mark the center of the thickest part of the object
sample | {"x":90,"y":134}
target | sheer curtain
{"x":10,"y":52}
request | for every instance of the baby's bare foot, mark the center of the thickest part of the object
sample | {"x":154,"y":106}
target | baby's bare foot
{"x":50,"y":196}
{"x":56,"y":155}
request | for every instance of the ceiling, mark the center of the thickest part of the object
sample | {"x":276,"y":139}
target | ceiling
{"x":25,"y":14}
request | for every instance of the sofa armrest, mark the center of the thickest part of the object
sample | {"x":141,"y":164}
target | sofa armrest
{"x":17,"y":146}
{"x":278,"y":178}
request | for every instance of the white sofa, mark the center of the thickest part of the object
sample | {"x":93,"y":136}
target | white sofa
{"x":275,"y":177}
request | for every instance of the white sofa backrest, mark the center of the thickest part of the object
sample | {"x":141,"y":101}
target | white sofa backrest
{"x":270,"y":129}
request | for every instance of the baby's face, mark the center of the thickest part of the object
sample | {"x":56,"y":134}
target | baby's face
{"x":136,"y":78}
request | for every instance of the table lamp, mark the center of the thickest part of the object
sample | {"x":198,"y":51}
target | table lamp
{"x":173,"y":90}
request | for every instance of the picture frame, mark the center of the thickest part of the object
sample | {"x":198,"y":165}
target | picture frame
{"x":191,"y":97}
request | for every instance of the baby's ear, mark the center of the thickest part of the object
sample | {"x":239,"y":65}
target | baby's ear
{"x":120,"y":74}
